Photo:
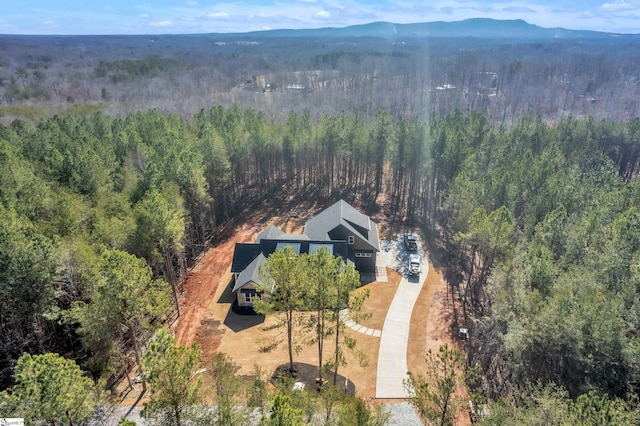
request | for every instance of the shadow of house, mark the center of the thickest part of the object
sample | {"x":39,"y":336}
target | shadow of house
{"x":238,"y":322}
{"x":227,"y":295}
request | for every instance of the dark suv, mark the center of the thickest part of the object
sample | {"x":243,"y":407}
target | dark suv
{"x":411,"y":242}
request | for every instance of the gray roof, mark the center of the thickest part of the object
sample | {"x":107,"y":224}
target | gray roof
{"x":342,"y":213}
{"x":275,"y":233}
{"x":270,"y":233}
{"x":247,"y":257}
{"x":297,"y":237}
{"x":251,"y":273}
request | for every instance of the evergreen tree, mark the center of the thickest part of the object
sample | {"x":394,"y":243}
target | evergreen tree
{"x":51,"y":389}
{"x":172,"y":374}
{"x":284,"y":288}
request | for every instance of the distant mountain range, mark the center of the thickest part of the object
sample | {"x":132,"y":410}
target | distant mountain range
{"x":477,"y":27}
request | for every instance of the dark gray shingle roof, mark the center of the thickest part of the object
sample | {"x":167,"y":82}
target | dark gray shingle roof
{"x":342,"y":213}
{"x":243,"y":255}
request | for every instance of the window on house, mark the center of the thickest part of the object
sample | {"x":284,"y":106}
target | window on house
{"x":295,"y":246}
{"x":351,"y":239}
{"x":363,"y":254}
{"x":250,"y":296}
{"x":314,"y":247}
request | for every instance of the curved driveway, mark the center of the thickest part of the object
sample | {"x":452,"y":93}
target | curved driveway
{"x":394,"y":340}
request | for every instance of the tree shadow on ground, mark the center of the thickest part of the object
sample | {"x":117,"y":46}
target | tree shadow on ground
{"x":135,"y":404}
{"x":307,"y":374}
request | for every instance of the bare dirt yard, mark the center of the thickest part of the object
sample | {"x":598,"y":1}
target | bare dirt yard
{"x":206,"y":316}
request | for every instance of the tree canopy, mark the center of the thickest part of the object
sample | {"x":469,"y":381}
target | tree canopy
{"x":51,"y":389}
{"x":537,"y":223}
{"x":172,"y":373}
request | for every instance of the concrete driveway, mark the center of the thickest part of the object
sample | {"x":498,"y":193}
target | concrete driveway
{"x":394,"y":339}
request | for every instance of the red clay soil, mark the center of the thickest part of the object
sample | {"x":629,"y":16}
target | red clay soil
{"x":199,"y":290}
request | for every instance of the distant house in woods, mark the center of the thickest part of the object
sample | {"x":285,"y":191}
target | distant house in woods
{"x":343,"y":230}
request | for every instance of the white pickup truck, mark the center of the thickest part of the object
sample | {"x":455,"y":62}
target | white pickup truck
{"x":414,"y":265}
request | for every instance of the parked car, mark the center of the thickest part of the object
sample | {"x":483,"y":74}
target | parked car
{"x":414,"y":265}
{"x":411,"y":242}
{"x":463,"y":333}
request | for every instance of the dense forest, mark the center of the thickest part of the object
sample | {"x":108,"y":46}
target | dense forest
{"x":537,"y":225}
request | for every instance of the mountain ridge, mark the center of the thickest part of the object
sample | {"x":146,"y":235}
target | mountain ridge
{"x":481,"y":28}
{"x":474,"y":27}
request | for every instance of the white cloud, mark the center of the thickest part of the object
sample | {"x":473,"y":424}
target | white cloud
{"x":218,"y":15}
{"x":144,"y":15}
{"x":616,"y":6}
{"x":191,"y":2}
{"x":48,"y":22}
{"x":161,"y":24}
{"x":323,"y":14}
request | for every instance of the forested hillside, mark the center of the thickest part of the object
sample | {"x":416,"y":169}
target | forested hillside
{"x":538,"y":225}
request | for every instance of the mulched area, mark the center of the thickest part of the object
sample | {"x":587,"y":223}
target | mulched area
{"x":308,"y":373}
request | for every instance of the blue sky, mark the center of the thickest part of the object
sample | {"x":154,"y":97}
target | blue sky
{"x":206,"y":16}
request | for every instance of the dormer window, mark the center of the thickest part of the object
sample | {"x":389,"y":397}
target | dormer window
{"x":351,"y":239}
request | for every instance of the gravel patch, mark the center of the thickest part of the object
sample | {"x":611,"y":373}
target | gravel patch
{"x":402,"y":414}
